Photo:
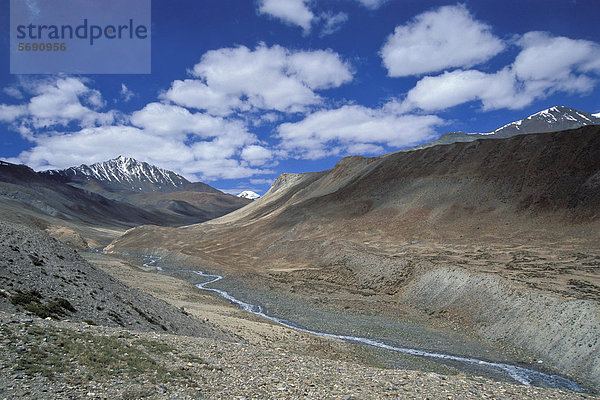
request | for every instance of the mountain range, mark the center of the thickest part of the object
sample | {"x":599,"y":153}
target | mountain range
{"x":497,"y":238}
{"x":124,"y":174}
{"x":116,"y":194}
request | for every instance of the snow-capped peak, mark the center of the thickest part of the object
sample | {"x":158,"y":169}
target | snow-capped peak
{"x":555,"y":118}
{"x":126,"y":172}
{"x":249,"y":194}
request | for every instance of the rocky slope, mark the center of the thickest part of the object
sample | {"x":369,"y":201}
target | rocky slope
{"x":39,"y":195}
{"x":42,"y":277}
{"x":520,"y":215}
{"x":160,"y":366}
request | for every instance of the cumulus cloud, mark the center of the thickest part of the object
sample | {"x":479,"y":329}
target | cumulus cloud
{"x":204,"y":160}
{"x":448,"y":37}
{"x":174,"y":121}
{"x":354,"y":129}
{"x":13,"y":92}
{"x":194,"y":93}
{"x":256,"y":155}
{"x":545,"y":57}
{"x":62,"y":101}
{"x":545,"y":65}
{"x":195,"y":144}
{"x":95,"y":144}
{"x":267,"y":78}
{"x":294,"y":12}
{"x":436,"y":93}
{"x":126,"y":93}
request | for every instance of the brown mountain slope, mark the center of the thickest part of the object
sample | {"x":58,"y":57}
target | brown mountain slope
{"x":543,"y":186}
{"x":497,"y":236}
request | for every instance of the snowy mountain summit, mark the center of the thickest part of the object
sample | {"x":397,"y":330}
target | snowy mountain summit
{"x":554,"y":119}
{"x":558,"y":118}
{"x":248,"y":194}
{"x":124,"y":173}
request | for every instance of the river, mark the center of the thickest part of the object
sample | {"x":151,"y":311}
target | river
{"x":522,"y":375}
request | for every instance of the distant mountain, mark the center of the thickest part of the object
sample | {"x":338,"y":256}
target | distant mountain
{"x":558,"y":118}
{"x":116,"y":194}
{"x":150,"y":188}
{"x":26,"y":195}
{"x":124,"y":173}
{"x":249,"y":194}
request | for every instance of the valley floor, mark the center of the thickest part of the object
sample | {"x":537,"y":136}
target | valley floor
{"x":46,"y":359}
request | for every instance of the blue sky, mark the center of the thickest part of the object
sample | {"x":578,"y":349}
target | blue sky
{"x":244,"y":90}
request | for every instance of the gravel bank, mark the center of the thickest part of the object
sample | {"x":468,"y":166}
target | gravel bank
{"x":178,"y":367}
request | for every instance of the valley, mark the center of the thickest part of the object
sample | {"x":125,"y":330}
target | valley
{"x":457,"y":269}
{"x":491,"y":237}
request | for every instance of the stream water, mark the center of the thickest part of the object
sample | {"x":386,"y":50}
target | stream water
{"x":522,"y":375}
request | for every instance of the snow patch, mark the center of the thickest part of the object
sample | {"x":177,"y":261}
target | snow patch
{"x":249,"y":194}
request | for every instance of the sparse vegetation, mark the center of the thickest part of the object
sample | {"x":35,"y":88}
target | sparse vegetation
{"x":32,"y":302}
{"x":79,"y":356}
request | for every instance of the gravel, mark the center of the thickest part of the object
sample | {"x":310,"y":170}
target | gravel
{"x":201,"y":368}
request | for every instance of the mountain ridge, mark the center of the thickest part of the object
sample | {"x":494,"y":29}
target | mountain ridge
{"x":553,"y":119}
{"x":125,"y":173}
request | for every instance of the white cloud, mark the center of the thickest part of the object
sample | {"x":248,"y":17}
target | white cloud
{"x":97,"y":144}
{"x":434,"y":93}
{"x":10,"y":113}
{"x":354,"y":129}
{"x":332,"y":22}
{"x":13,"y":92}
{"x":447,"y":37}
{"x":554,"y":58}
{"x":195,"y":144}
{"x":196,"y":94}
{"x":318,"y":69}
{"x":126,"y":93}
{"x":256,"y":155}
{"x":102,"y":143}
{"x":63,"y":101}
{"x":372,"y":4}
{"x":175,"y":121}
{"x":266,"y":78}
{"x":294,"y":12}
{"x":545,"y":65}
